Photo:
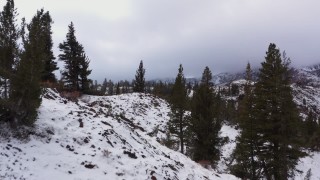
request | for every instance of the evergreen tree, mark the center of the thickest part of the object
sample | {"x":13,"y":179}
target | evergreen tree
{"x":110,"y":87}
{"x":277,"y":117}
{"x":234,"y":91}
{"x":310,"y":124}
{"x":104,"y":86}
{"x":162,"y":89}
{"x":49,"y":65}
{"x":26,"y":90}
{"x":76,"y":66}
{"x":311,"y":131}
{"x":139,"y":82}
{"x":245,"y":154}
{"x":84,"y":73}
{"x":125,"y":86}
{"x":9,"y":35}
{"x":315,"y":139}
{"x":118,"y":89}
{"x":229,"y":112}
{"x":205,"y":123}
{"x":178,"y":103}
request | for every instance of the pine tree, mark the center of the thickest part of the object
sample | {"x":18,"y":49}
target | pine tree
{"x":110,"y":87}
{"x":84,"y":73}
{"x":277,"y":117}
{"x":311,"y":131}
{"x":125,"y":86}
{"x":245,"y":154}
{"x":159,"y":88}
{"x":49,"y":65}
{"x":178,"y":103}
{"x":118,"y":89}
{"x":139,"y":82}
{"x":76,"y":66}
{"x":26,"y":90}
{"x":229,"y":111}
{"x":315,"y":139}
{"x":9,"y":35}
{"x":104,"y":86}
{"x":205,"y":123}
{"x":311,"y":124}
{"x":72,"y":50}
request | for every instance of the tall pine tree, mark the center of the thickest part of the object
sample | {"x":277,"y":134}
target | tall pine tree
{"x":118,"y":88}
{"x":49,"y":63}
{"x":277,"y":117}
{"x":205,"y":123}
{"x":104,"y":86}
{"x":139,"y":82}
{"x":311,"y":134}
{"x":84,"y":73}
{"x":110,"y":87}
{"x":246,"y":164}
{"x":26,"y":90}
{"x":9,"y":35}
{"x":178,"y":103}
{"x":76,"y":72}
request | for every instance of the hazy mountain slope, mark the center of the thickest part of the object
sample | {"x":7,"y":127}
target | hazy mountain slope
{"x":98,"y":138}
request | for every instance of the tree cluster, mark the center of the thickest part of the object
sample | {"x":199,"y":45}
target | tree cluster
{"x":22,"y":69}
{"x":269,"y":145}
{"x":27,"y":64}
{"x":272,"y":136}
{"x":197,"y":132}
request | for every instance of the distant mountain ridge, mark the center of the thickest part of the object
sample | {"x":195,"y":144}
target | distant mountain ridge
{"x":309,"y":72}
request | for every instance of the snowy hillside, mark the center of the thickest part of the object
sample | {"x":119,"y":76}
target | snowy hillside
{"x":121,"y":137}
{"x":113,"y":137}
{"x":314,"y":69}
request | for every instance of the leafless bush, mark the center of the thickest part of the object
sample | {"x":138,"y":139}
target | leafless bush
{"x":106,"y":153}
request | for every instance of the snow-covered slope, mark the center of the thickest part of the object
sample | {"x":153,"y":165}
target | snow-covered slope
{"x":113,"y":137}
{"x":307,"y":98}
{"x":310,"y":163}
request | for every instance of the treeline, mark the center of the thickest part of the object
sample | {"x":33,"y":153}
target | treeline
{"x":27,"y":64}
{"x":272,"y":137}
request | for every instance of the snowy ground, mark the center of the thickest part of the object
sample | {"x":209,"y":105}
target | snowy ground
{"x":311,"y":163}
{"x":227,"y":149}
{"x":113,"y":137}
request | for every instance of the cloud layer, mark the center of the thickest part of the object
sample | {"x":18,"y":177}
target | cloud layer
{"x":223,"y":35}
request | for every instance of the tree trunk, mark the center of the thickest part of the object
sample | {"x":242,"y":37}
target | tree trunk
{"x":5,"y":89}
{"x":181,"y":133}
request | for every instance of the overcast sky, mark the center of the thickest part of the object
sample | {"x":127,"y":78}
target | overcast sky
{"x":221,"y":34}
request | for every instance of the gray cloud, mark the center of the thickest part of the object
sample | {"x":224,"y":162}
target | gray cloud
{"x":223,"y":35}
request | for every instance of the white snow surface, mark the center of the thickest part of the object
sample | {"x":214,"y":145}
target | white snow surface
{"x":312,"y":163}
{"x":119,"y":140}
{"x":311,"y":96}
{"x":228,"y":148}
